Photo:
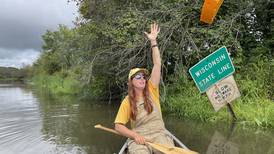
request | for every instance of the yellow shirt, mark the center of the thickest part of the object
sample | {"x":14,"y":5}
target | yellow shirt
{"x":123,"y":115}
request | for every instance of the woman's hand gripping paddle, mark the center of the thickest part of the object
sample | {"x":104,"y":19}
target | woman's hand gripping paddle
{"x":160,"y":147}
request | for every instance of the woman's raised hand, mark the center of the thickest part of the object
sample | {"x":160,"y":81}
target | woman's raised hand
{"x":154,"y":30}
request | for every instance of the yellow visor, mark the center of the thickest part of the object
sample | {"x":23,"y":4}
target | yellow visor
{"x":136,"y":70}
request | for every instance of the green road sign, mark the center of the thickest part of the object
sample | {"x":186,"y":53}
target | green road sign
{"x":212,"y":69}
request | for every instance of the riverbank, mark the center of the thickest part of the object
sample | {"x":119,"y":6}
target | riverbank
{"x":253,"y":109}
{"x":15,"y":81}
{"x":183,"y":100}
{"x":56,"y":84}
{"x":256,"y":112}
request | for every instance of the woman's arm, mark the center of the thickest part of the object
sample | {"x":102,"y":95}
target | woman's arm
{"x":123,"y":130}
{"x":156,"y":70}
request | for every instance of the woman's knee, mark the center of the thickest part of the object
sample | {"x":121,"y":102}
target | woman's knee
{"x":139,"y":149}
{"x":164,"y":139}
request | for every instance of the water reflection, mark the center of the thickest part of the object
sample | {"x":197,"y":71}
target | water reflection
{"x":77,"y":129}
{"x":70,"y":122}
{"x":20,"y":122}
{"x":220,"y":145}
{"x":33,"y":122}
{"x":221,"y":138}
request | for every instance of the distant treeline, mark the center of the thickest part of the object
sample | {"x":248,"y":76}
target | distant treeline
{"x":13,"y":74}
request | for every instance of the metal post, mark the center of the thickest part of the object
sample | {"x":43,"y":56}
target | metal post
{"x":228,"y":105}
{"x":231,"y":111}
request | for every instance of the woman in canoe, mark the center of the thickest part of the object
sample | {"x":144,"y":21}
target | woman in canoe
{"x":141,"y":107}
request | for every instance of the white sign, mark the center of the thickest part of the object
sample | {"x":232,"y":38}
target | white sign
{"x":223,"y":92}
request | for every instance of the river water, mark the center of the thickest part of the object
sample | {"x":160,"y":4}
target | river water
{"x":33,"y":122}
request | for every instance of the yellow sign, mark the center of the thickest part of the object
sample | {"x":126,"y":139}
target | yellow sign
{"x":223,"y":92}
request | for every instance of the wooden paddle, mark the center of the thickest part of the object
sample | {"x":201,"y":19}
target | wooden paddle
{"x":163,"y":148}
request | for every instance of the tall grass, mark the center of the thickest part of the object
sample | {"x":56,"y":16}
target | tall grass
{"x":253,"y":108}
{"x":56,"y":84}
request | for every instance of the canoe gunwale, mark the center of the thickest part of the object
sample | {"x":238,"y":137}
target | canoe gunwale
{"x":123,"y":149}
{"x":175,"y":139}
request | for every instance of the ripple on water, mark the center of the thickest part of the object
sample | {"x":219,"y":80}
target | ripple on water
{"x":21,"y":123}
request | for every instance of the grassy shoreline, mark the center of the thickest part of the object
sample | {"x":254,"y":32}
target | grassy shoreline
{"x":254,"y":110}
{"x":11,"y":79}
{"x":255,"y":107}
{"x":253,"y":113}
{"x":56,"y":84}
{"x":185,"y":102}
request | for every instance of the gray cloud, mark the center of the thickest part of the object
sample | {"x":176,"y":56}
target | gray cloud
{"x":22,"y":23}
{"x":17,"y":58}
{"x":19,"y":35}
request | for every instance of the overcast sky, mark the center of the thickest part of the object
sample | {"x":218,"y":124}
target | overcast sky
{"x":23,"y":22}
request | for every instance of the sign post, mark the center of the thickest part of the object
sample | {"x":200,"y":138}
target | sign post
{"x":213,"y":75}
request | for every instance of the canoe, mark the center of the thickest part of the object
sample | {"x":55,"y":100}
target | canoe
{"x":177,"y":142}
